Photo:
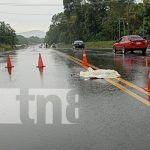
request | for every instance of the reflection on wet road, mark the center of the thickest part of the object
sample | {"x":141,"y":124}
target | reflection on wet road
{"x":109,"y":118}
{"x":132,"y":85}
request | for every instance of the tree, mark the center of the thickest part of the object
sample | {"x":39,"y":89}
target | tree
{"x":147,"y":16}
{"x":7,"y":34}
{"x":93,"y":20}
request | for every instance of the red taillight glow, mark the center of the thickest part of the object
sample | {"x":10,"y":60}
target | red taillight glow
{"x":145,"y":42}
{"x":131,"y":42}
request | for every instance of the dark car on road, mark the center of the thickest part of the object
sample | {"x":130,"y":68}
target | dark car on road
{"x":53,"y":45}
{"x":78,"y":45}
{"x":130,"y":43}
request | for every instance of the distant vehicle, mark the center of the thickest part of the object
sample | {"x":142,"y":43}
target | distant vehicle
{"x":40,"y":46}
{"x":53,"y":45}
{"x":78,"y":45}
{"x":130,"y":43}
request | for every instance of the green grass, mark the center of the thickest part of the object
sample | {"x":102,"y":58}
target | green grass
{"x":62,"y":45}
{"x":91,"y":45}
{"x":4,"y":47}
{"x":99,"y":44}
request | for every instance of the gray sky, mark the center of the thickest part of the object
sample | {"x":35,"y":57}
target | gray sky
{"x":29,"y":22}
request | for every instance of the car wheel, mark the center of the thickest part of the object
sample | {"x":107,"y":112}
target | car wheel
{"x":144,"y":51}
{"x":124,"y":50}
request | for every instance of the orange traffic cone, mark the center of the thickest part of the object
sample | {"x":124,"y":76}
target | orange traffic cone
{"x":148,"y":88}
{"x":9,"y":65}
{"x":40,"y":62}
{"x":84,"y":60}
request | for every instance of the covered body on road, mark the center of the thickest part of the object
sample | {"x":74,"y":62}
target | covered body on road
{"x":99,"y":74}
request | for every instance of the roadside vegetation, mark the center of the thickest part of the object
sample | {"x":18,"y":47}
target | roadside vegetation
{"x":29,"y":41}
{"x":97,"y":20}
{"x":100,"y":44}
{"x":8,"y":38}
{"x":4,"y":47}
{"x":94,"y":45}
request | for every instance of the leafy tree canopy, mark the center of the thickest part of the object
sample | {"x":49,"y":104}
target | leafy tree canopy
{"x":94,"y":20}
{"x":7,"y":34}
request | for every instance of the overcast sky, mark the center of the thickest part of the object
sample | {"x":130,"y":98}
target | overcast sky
{"x":29,"y":22}
{"x":13,"y":15}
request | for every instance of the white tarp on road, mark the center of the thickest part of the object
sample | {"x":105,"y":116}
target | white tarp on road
{"x":99,"y":74}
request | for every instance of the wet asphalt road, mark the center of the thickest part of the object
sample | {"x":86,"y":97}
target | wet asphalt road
{"x":109,"y":119}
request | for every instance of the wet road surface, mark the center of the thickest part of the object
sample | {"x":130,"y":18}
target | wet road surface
{"x":109,"y":118}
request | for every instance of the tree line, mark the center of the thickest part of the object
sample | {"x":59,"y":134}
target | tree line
{"x":95,"y":20}
{"x":9,"y":39}
{"x":7,"y":35}
{"x":29,"y":41}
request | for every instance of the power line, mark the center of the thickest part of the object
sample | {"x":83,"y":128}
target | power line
{"x":54,"y":5}
{"x":11,"y":13}
{"x":57,"y":4}
{"x":23,"y":4}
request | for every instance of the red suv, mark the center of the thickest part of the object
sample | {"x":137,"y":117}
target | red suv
{"x":130,"y":43}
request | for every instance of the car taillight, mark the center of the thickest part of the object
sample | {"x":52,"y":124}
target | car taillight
{"x":131,"y":42}
{"x":145,"y":42}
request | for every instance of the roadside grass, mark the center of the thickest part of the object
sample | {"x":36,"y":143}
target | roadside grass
{"x":62,"y":45}
{"x":99,"y":44}
{"x":92,"y":45}
{"x":4,"y":47}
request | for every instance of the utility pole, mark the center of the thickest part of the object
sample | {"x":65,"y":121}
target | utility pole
{"x":124,"y":28}
{"x":143,"y":26}
{"x":128,"y":17}
{"x":143,"y":21}
{"x":119,"y":29}
{"x":121,"y":21}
